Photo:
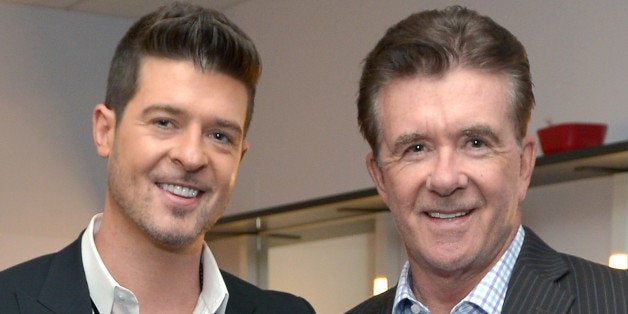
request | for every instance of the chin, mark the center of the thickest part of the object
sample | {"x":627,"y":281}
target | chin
{"x":175,"y":240}
{"x":174,"y":236}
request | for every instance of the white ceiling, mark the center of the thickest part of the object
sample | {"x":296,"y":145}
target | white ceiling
{"x":120,"y":8}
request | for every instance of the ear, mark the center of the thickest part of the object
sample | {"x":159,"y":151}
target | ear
{"x":376,"y":175}
{"x":103,"y":129}
{"x":528,"y":159}
{"x":245,"y":148}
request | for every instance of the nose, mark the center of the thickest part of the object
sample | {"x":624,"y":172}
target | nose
{"x":447,"y":174}
{"x":188,"y":151}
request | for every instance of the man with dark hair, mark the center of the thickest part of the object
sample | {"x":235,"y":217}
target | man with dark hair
{"x":178,"y":105}
{"x":444,"y":102}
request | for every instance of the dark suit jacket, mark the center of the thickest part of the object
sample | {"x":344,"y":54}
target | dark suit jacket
{"x":56,"y":283}
{"x":545,"y":281}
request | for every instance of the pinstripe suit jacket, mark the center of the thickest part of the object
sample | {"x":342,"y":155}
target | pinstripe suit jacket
{"x":545,"y":281}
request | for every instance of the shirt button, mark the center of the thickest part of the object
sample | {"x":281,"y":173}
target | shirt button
{"x":415,"y":308}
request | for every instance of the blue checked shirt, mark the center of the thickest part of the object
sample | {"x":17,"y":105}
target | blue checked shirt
{"x":486,"y":298}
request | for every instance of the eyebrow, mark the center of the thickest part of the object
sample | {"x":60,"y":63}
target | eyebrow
{"x":164,"y":108}
{"x":234,"y":127}
{"x":406,"y":139}
{"x":482,"y":131}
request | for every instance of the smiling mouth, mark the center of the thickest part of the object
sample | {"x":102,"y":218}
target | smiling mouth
{"x":447,"y":215}
{"x":179,"y":190}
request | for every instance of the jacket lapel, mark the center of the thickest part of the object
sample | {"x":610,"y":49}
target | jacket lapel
{"x":65,"y":289}
{"x":534,"y":284}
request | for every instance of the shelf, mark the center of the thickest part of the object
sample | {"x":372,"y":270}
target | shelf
{"x":283,"y":220}
{"x":549,"y":169}
{"x":580,"y":164}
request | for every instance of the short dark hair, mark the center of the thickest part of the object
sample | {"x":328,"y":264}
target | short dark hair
{"x":183,"y":31}
{"x":431,"y":43}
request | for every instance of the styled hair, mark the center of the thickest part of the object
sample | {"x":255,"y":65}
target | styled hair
{"x":431,"y":43}
{"x":181,"y":31}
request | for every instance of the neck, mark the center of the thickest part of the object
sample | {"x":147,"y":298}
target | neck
{"x":162,"y":278}
{"x":443,"y":289}
{"x":439,"y":294}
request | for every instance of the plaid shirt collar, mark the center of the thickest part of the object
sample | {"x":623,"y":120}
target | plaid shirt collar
{"x":486,"y":297}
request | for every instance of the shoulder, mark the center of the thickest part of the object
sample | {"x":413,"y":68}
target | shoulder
{"x":47,"y":279}
{"x":381,"y":303}
{"x":242,"y":293}
{"x":25,"y":277}
{"x":591,"y":286}
{"x":595,"y":288}
{"x":537,"y":255}
{"x":588,"y":277}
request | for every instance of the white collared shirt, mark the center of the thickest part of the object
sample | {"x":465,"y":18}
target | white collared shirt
{"x":109,"y":297}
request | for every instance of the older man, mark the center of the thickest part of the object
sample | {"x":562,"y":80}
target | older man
{"x":445,"y":100}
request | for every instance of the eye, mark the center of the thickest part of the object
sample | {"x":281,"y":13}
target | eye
{"x":416,"y":148}
{"x":476,"y":143}
{"x":221,"y":137}
{"x":163,"y":123}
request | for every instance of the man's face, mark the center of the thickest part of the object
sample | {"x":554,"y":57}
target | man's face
{"x":174,"y":155}
{"x":450,"y":169}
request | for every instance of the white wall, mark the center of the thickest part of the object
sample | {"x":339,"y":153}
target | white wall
{"x":574,"y":218}
{"x":304,"y":138}
{"x":332,"y":274}
{"x":53,"y":68}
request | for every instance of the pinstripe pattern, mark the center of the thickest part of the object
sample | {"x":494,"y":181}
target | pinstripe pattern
{"x":545,"y":281}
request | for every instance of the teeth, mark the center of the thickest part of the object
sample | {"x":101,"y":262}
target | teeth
{"x":179,"y":190}
{"x":446,"y":216}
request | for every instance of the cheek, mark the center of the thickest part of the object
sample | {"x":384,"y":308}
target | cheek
{"x":226,"y":169}
{"x":500,"y":187}
{"x":403,"y":189}
{"x":144,"y":153}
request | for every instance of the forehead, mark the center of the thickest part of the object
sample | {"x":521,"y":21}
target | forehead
{"x":180,"y":83}
{"x":160,"y":70}
{"x":458,"y":97}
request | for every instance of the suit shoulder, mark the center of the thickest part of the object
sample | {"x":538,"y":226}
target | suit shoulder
{"x":586,"y":272}
{"x":381,"y":303}
{"x":267,"y":301}
{"x":597,"y":286}
{"x":585,"y":267}
{"x":27,"y":274}
{"x":32,"y":273}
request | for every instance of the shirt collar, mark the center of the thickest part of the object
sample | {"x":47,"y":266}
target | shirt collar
{"x":488,"y":295}
{"x":106,"y":293}
{"x":214,"y":297}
